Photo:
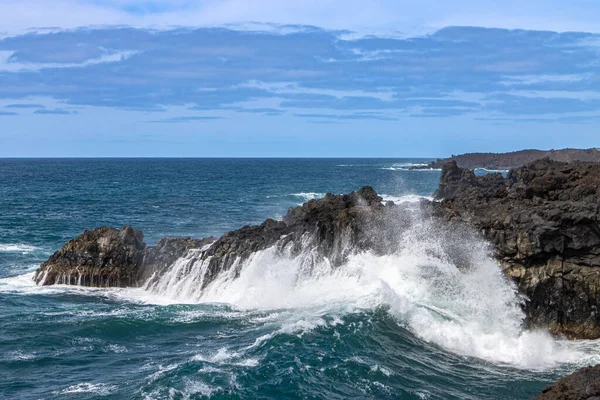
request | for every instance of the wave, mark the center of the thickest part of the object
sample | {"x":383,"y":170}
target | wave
{"x":443,"y":288}
{"x":299,"y":198}
{"x":469,"y":309}
{"x":17,"y":248}
{"x":410,"y":198}
{"x":101,"y":389}
{"x":410,"y":169}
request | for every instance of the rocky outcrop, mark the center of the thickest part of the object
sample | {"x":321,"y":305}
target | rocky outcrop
{"x":542,"y":220}
{"x":582,"y":385}
{"x":544,"y":223}
{"x":107,"y":257}
{"x":515,"y":159}
{"x":102,"y":257}
{"x":332,"y":226}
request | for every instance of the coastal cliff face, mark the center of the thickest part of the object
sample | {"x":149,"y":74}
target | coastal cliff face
{"x":543,"y":220}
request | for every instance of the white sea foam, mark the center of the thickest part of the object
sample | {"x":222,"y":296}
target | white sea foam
{"x":470,"y":311}
{"x":410,"y":198}
{"x":17,"y":248}
{"x":86,"y":387}
{"x":492,"y":170}
{"x":473,"y":312}
{"x":309,"y":196}
{"x":410,"y":169}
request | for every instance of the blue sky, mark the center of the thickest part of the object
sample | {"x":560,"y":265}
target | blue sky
{"x":298,"y":78}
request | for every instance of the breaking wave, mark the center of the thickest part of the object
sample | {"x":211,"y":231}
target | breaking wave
{"x":467,"y":307}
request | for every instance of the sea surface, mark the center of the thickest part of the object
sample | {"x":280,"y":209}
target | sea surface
{"x":406,"y":326}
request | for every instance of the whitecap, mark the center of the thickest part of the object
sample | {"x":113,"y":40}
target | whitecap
{"x":87,"y":387}
{"x":17,"y":248}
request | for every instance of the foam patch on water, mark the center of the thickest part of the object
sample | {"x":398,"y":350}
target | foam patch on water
{"x":410,"y":198}
{"x":472,"y":311}
{"x":101,"y":389}
{"x":17,"y":248}
{"x":410,"y":169}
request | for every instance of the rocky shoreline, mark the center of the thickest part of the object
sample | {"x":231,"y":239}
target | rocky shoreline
{"x":541,"y":220}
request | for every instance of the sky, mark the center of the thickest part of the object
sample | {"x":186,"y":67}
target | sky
{"x":266,"y":78}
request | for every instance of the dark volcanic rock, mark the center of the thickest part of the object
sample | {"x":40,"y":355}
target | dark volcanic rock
{"x":332,"y":226}
{"x":166,"y":252}
{"x":582,"y":385}
{"x":107,"y":257}
{"x":516,"y":159}
{"x":102,"y":257}
{"x":543,"y":221}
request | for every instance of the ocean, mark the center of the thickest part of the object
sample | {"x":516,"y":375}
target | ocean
{"x":407,"y":326}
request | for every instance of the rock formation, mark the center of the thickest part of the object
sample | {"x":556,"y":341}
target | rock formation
{"x":544,"y":223}
{"x":582,"y":385}
{"x":107,"y":257}
{"x":515,"y":159}
{"x":332,"y":225}
{"x":542,"y":220}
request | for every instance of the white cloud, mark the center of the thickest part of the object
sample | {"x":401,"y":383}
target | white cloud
{"x":294,"y":88}
{"x":10,"y":66}
{"x":383,"y":17}
{"x":534,"y":79}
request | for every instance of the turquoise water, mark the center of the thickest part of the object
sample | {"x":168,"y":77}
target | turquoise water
{"x":358,"y":342}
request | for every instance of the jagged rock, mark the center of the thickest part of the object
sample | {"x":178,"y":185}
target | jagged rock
{"x":335,"y":224}
{"x":107,"y":257}
{"x":543,"y":221}
{"x":102,"y":257}
{"x":582,"y":385}
{"x":166,"y":252}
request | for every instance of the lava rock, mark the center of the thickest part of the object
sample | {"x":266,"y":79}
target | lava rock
{"x":582,"y":385}
{"x":544,"y":223}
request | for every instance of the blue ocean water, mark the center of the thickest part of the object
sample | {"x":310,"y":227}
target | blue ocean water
{"x":333,"y":337}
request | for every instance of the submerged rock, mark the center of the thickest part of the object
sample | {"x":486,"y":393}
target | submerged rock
{"x":544,"y":223}
{"x":582,"y":385}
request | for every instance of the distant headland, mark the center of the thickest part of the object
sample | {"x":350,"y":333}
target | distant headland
{"x":515,"y":159}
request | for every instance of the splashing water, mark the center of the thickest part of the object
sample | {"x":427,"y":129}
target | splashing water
{"x":464,"y":304}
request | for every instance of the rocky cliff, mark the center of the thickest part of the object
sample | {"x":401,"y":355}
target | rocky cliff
{"x":543,"y":220}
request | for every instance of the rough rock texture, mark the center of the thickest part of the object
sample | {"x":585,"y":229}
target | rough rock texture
{"x":582,"y":385}
{"x":102,"y":257}
{"x":332,"y":225}
{"x":516,"y":159}
{"x":543,"y":221}
{"x":107,"y":257}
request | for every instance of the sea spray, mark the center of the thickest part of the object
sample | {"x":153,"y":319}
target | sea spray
{"x":441,"y":285}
